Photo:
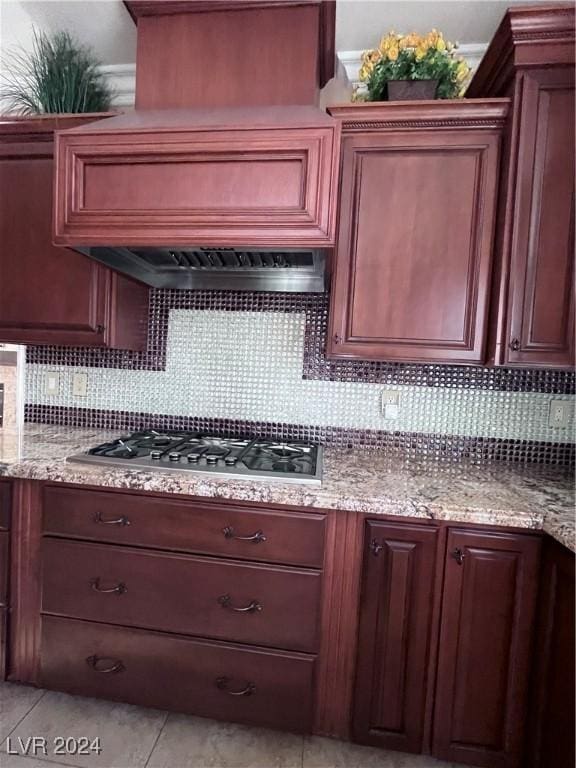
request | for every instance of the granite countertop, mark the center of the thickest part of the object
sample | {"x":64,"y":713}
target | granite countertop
{"x":532,"y":496}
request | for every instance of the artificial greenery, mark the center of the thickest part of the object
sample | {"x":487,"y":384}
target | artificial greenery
{"x":57,"y":76}
{"x":413,"y":57}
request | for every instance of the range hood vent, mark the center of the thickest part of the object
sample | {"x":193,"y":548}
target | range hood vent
{"x":218,"y":268}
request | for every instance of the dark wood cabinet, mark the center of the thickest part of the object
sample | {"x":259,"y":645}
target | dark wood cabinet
{"x":394,"y":635}
{"x":551,"y":733}
{"x":5,"y":514}
{"x":531,"y":59}
{"x":255,"y":176}
{"x":230,"y":682}
{"x":52,"y":295}
{"x":414,"y":251}
{"x":488,"y":609}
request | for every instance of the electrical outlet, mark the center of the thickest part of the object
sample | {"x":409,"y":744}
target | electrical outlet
{"x":390,"y":404}
{"x":52,"y":383}
{"x":80,"y":384}
{"x":560,"y":411}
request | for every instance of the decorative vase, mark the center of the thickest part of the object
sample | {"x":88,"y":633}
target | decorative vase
{"x":408,"y":90}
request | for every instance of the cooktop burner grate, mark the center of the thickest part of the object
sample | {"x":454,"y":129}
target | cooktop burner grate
{"x":223,"y":457}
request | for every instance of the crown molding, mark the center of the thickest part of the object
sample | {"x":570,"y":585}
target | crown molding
{"x":122,"y":80}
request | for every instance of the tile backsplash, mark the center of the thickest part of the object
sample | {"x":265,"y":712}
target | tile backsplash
{"x":254,"y":362}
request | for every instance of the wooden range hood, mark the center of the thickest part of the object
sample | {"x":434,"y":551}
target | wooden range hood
{"x":226,"y":147}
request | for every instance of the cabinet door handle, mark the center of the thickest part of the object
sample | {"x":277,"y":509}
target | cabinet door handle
{"x":119,"y":589}
{"x":226,"y":602}
{"x":256,"y":537}
{"x":222,"y":684}
{"x":123,"y":520}
{"x":376,"y":547}
{"x":458,"y":555}
{"x":337,"y":338}
{"x":96,"y":662}
{"x":514,"y":345}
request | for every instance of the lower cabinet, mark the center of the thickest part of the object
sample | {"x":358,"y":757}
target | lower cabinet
{"x":394,"y":635}
{"x":174,"y":672}
{"x":228,"y":626}
{"x":482,"y":657}
{"x":5,"y":503}
{"x":488,"y":610}
{"x":551,"y":742}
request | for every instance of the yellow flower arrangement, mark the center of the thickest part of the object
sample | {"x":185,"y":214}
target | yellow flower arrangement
{"x":414,"y":57}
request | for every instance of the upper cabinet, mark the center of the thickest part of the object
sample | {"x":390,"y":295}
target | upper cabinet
{"x":414,"y":250}
{"x":531,"y":59}
{"x":52,"y":295}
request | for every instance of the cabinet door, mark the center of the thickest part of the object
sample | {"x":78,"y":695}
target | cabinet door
{"x":485,"y":646}
{"x":541,"y":324}
{"x":414,"y":246}
{"x":396,"y":612}
{"x":551,"y":736}
{"x":52,"y":295}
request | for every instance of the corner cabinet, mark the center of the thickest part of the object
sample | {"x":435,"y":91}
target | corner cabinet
{"x":52,"y":295}
{"x":414,"y":251}
{"x":531,"y":59}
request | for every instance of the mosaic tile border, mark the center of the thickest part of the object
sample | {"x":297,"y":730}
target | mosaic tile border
{"x":478,"y":450}
{"x":315,"y":364}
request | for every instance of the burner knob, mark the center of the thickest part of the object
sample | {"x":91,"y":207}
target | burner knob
{"x":174,"y":456}
{"x":230,"y":460}
{"x":211,"y":459}
{"x":193,"y":458}
{"x":156,"y":455}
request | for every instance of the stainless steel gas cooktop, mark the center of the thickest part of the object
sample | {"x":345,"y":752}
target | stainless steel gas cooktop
{"x":226,"y":457}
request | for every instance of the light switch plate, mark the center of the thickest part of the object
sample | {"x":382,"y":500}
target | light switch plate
{"x":390,"y":404}
{"x":560,"y":412}
{"x":80,"y":384}
{"x":52,"y":385}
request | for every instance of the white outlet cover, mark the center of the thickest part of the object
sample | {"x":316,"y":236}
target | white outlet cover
{"x":390,"y":397}
{"x":560,"y":412}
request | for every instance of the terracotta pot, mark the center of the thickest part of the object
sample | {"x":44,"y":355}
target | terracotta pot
{"x":408,"y":90}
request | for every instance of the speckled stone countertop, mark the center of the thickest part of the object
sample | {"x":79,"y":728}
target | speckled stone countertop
{"x":524,"y":496}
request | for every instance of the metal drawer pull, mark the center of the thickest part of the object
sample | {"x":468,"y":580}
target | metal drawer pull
{"x":222,"y":684}
{"x":95,"y":662}
{"x":256,"y":537}
{"x":116,"y":521}
{"x":458,"y":555}
{"x":119,"y":589}
{"x":226,"y":602}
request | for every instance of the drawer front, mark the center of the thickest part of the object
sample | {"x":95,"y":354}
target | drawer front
{"x":189,"y":526}
{"x":4,"y":554}
{"x":240,"y":602}
{"x":176,"y":673}
{"x":4,"y":505}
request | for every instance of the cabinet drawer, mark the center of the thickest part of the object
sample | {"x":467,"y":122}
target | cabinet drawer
{"x":4,"y":505}
{"x":182,"y":593}
{"x":215,"y":529}
{"x":4,"y":554}
{"x":176,"y":673}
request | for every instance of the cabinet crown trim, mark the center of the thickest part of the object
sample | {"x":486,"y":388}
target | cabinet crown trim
{"x":488,"y":114}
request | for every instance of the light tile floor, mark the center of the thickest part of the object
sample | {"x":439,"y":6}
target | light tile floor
{"x":132,"y":737}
